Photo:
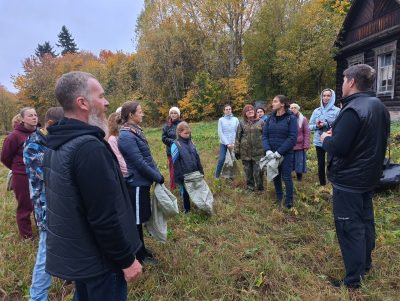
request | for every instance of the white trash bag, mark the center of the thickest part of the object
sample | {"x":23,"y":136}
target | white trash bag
{"x":199,"y":192}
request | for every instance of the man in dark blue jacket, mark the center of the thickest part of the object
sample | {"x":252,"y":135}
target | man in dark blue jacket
{"x":356,"y":146}
{"x":91,"y":233}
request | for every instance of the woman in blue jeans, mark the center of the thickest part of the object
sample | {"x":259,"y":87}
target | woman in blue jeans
{"x":278,"y":138}
{"x":227,"y":126}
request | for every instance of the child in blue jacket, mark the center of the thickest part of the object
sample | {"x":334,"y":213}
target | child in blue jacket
{"x":185,"y":158}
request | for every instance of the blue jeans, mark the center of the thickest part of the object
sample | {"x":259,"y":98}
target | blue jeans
{"x":109,"y":286}
{"x":41,"y":280}
{"x":221,"y":160}
{"x":285,"y":172}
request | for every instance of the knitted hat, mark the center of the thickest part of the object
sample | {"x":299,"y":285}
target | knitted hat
{"x":175,"y":109}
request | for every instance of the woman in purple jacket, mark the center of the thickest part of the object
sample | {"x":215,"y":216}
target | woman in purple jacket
{"x":11,"y":157}
{"x":302,"y":144}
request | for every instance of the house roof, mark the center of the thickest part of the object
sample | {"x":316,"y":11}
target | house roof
{"x":349,"y":18}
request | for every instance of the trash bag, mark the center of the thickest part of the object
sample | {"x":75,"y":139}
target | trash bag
{"x":270,"y":167}
{"x":9,"y":181}
{"x":230,"y":169}
{"x":199,"y":192}
{"x":164,"y":205}
{"x":167,"y":201}
{"x":390,"y":177}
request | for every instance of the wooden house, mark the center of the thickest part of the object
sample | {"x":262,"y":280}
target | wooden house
{"x":371,"y":35}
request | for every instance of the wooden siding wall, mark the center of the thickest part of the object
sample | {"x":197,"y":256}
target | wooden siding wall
{"x":369,"y":58}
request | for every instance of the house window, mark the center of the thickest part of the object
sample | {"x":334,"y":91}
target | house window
{"x":385,"y":62}
{"x":385,"y":73}
{"x":355,"y":59}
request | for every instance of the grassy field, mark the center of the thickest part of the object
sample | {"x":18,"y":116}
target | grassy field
{"x":250,"y":250}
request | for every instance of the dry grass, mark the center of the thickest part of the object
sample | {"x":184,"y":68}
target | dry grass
{"x":250,"y":250}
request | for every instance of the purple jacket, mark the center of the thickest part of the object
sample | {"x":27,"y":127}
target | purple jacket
{"x":13,"y":146}
{"x":303,"y":135}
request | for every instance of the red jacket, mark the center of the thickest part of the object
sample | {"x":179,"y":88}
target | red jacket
{"x":13,"y":147}
{"x":303,"y":136}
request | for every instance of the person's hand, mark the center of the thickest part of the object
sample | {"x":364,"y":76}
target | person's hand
{"x":320,"y":124}
{"x":162,"y":180}
{"x":325,"y":134}
{"x":231,"y":146}
{"x":132,"y":273}
{"x":277,"y":155}
{"x":269,"y":154}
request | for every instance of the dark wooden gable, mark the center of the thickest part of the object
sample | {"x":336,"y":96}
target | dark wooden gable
{"x":383,"y":7}
{"x":366,"y":18}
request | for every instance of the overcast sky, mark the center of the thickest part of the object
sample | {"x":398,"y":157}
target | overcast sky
{"x":94,"y":24}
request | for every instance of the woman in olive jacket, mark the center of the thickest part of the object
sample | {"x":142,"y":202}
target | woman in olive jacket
{"x":248,"y":147}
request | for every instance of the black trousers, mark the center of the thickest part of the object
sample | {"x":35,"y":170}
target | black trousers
{"x":109,"y":286}
{"x":355,"y":230}
{"x":321,"y":157}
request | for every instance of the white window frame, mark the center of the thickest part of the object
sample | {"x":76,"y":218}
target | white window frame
{"x":386,"y":49}
{"x":355,"y":59}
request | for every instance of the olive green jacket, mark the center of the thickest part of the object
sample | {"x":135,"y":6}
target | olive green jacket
{"x":248,"y":145}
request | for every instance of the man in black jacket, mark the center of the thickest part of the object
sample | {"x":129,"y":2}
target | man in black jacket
{"x":356,"y":146}
{"x":92,"y":237}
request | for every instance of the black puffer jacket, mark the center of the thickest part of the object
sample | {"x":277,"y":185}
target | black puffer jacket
{"x":361,"y":168}
{"x":169,"y":135}
{"x":90,"y":221}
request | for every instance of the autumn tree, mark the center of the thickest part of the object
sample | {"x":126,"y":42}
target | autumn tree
{"x":304,"y":57}
{"x":43,"y":49}
{"x":9,"y":108}
{"x":66,"y":42}
{"x":261,"y":45}
{"x":115,"y":71}
{"x":180,"y":39}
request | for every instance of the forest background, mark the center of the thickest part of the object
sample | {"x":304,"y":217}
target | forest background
{"x":199,"y":55}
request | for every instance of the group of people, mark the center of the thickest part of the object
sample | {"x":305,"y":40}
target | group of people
{"x":91,"y":197}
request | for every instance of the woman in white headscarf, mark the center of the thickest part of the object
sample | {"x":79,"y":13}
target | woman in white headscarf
{"x":321,"y":121}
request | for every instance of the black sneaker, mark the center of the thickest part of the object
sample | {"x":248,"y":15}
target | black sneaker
{"x":148,"y":253}
{"x":149,"y":261}
{"x":288,"y":206}
{"x":250,"y":189}
{"x":340,"y":283}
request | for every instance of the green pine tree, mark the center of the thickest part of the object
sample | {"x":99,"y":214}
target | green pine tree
{"x":43,"y":49}
{"x":66,"y":42}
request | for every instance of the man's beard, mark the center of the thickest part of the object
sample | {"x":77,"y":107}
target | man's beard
{"x":98,"y":119}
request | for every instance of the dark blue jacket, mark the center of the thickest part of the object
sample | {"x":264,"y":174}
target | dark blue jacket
{"x":169,"y":135}
{"x":142,"y":170}
{"x":186,"y":158}
{"x":280,"y":133}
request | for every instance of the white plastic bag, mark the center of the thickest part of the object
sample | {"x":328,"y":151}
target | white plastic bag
{"x":230,"y":169}
{"x":9,"y":181}
{"x":157,"y":224}
{"x":167,"y":201}
{"x":164,"y":205}
{"x":199,"y":192}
